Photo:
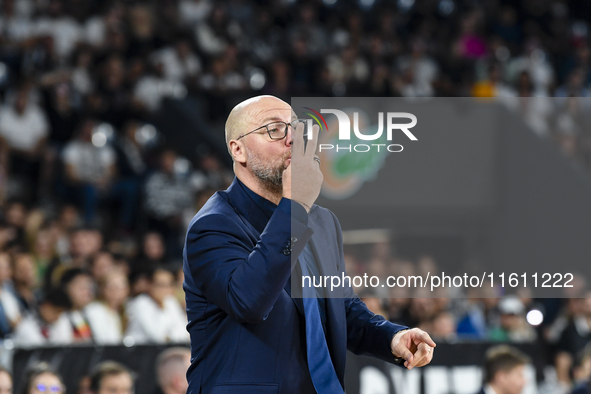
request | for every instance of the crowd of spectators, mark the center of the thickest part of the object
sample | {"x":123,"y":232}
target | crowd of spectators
{"x":94,"y":205}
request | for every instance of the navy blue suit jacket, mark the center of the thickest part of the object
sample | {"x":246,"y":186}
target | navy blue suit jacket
{"x":247,"y":333}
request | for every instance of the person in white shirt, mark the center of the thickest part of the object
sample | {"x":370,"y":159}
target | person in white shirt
{"x":106,"y":315}
{"x":90,"y":172}
{"x":23,"y":134}
{"x":48,"y":326}
{"x":504,"y":370}
{"x":157,"y":317}
{"x":79,"y":286}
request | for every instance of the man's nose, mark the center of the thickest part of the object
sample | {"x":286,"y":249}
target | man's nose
{"x":288,"y":137}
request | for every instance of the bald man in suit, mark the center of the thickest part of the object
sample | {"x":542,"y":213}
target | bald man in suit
{"x":248,"y":334}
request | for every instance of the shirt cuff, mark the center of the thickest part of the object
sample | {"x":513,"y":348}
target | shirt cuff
{"x":296,"y":210}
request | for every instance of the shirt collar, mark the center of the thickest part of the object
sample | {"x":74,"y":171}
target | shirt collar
{"x":265,"y":205}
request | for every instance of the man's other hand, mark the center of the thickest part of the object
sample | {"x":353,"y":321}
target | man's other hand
{"x":415,"y":346}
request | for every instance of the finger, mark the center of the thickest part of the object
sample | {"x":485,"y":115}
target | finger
{"x":297,"y":137}
{"x":423,"y":337}
{"x":427,"y":359}
{"x":423,"y":351}
{"x":313,"y":142}
{"x":405,"y":353}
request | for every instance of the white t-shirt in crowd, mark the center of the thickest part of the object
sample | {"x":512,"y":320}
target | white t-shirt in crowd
{"x":105,"y":324}
{"x":28,"y":333}
{"x":66,"y":33}
{"x":23,"y":131}
{"x":89,"y":162}
{"x":148,"y":323}
{"x":175,"y":68}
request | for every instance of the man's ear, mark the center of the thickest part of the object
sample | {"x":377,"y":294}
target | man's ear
{"x":237,"y":149}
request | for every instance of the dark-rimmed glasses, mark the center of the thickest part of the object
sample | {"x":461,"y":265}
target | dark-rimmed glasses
{"x":277,"y":130}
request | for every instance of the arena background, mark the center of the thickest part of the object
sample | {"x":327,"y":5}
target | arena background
{"x":112,"y":138}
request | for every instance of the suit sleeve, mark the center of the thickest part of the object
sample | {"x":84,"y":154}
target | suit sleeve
{"x":244,"y":281}
{"x":367,"y":333}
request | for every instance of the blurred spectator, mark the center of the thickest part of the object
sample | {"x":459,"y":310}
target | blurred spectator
{"x":101,"y":264}
{"x":90,"y":173}
{"x":512,"y":325}
{"x":535,"y":62}
{"x":131,"y":161}
{"x":156,"y":317}
{"x":153,"y":87}
{"x":15,"y":213}
{"x":106,"y":316}
{"x":84,"y":385}
{"x":48,"y":325}
{"x":63,"y":29}
{"x":153,"y":250}
{"x":179,"y":62}
{"x":575,"y":336}
{"x":581,"y":372}
{"x":504,"y":371}
{"x":168,"y":196}
{"x":42,"y":378}
{"x":5,"y":381}
{"x":214,"y":36}
{"x":79,"y":286}
{"x":10,"y":314}
{"x":443,"y":327}
{"x":171,"y":370}
{"x":111,"y":377}
{"x":24,"y":276}
{"x":23,"y":134}
{"x":422,"y":69}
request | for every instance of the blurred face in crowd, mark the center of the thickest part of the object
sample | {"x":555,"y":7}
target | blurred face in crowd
{"x":167,"y":161}
{"x":510,"y":382}
{"x":116,"y":384}
{"x":46,"y":383}
{"x":161,"y":286}
{"x":153,"y":246}
{"x":115,"y":289}
{"x":510,"y":321}
{"x":50,"y":313}
{"x":16,"y":214}
{"x":85,"y":243}
{"x":102,"y":264}
{"x":69,"y":217}
{"x":5,"y":383}
{"x":84,"y":386}
{"x":22,"y":99}
{"x":81,"y":291}
{"x":44,"y":243}
{"x":24,"y":270}
{"x":85,"y":133}
{"x":5,"y":270}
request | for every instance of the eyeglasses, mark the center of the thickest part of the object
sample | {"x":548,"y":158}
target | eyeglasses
{"x":49,"y":389}
{"x":277,"y":130}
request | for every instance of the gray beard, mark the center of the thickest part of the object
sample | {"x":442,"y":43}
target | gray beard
{"x":270,"y":176}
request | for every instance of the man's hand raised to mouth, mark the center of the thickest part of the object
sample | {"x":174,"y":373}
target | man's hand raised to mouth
{"x":302,"y":179}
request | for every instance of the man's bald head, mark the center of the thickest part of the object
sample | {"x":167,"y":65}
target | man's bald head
{"x":245,"y":115}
